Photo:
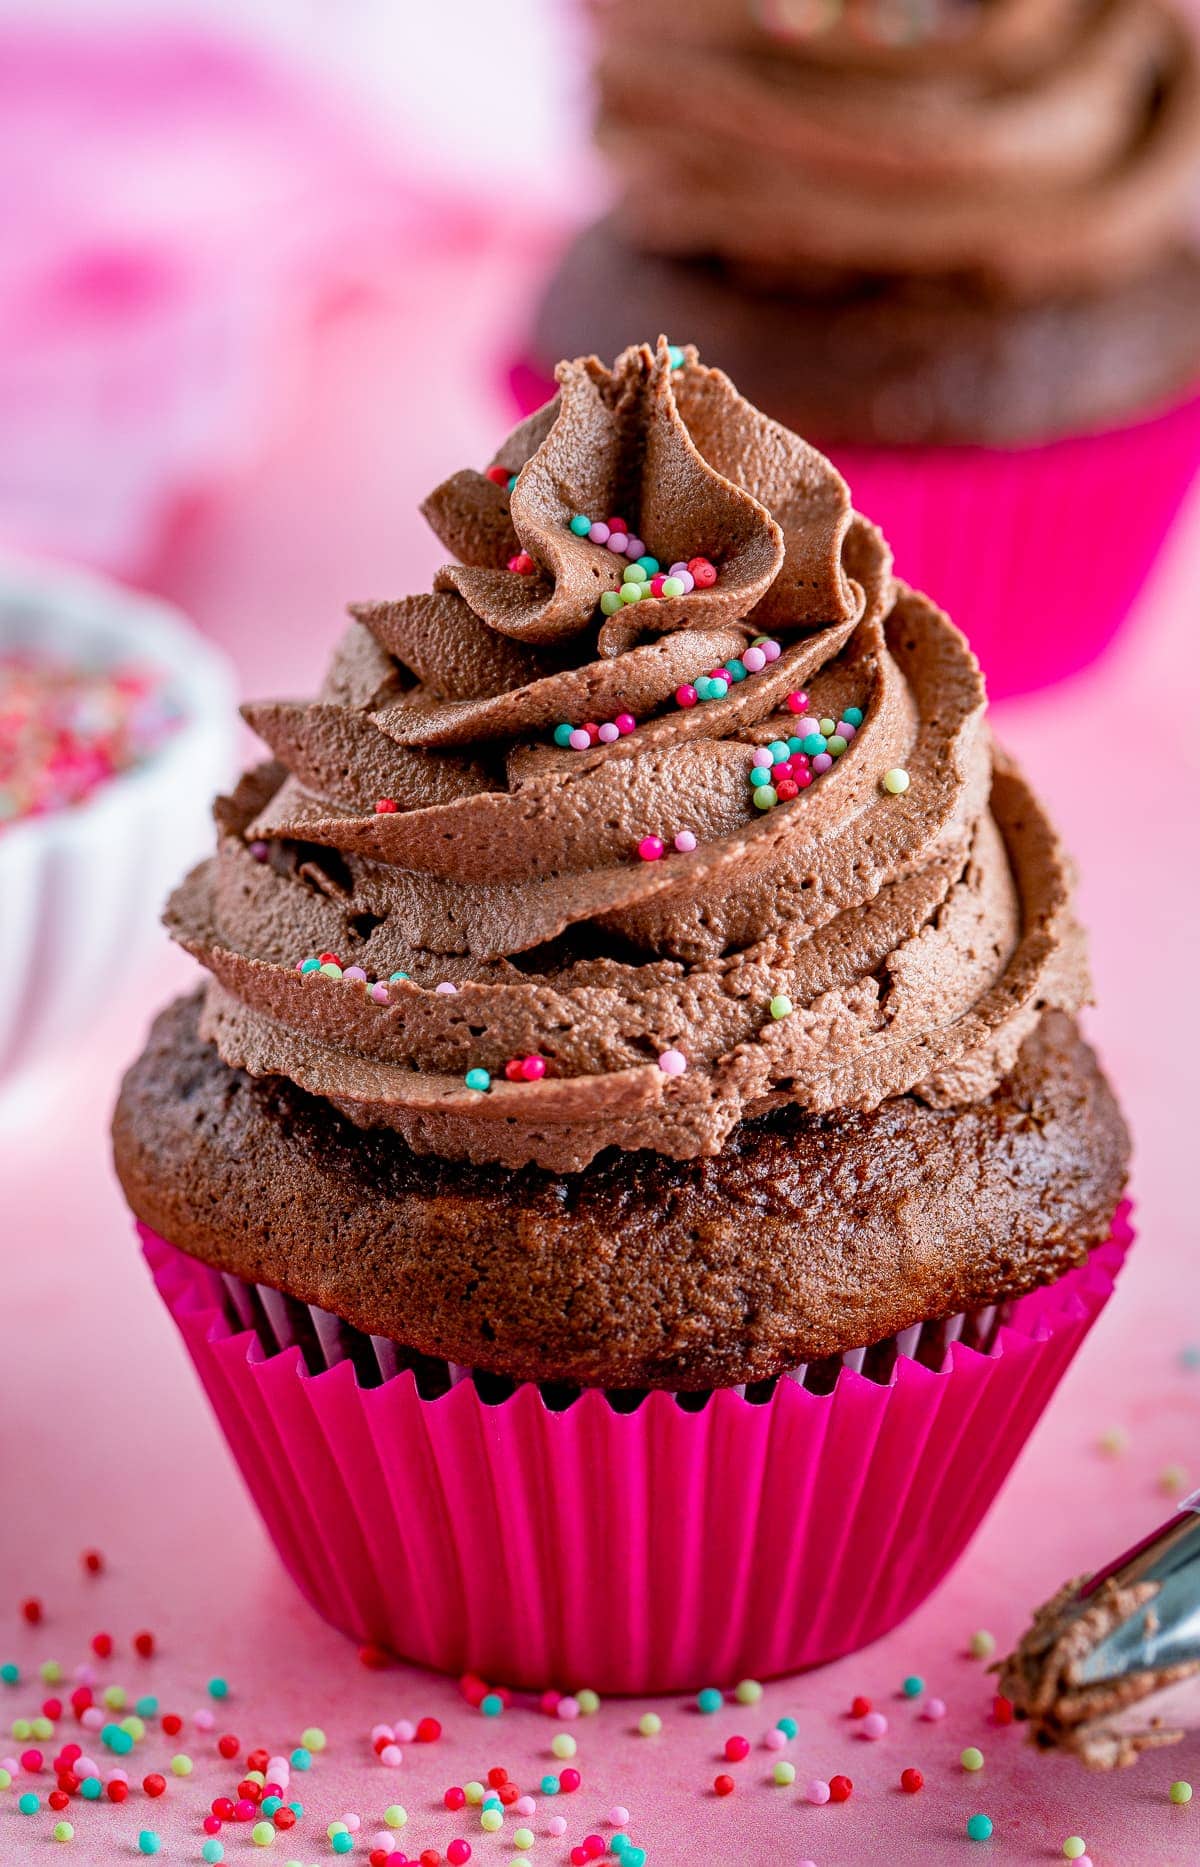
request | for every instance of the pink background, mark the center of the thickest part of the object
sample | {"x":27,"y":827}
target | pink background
{"x":107,"y":1442}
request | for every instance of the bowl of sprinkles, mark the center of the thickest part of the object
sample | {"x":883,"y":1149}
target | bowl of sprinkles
{"x":112,"y":710}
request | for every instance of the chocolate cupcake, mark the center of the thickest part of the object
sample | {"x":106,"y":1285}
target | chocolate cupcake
{"x":638,"y":1056}
{"x":955,"y":243}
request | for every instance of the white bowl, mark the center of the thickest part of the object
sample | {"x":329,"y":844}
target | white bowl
{"x":82,"y":888}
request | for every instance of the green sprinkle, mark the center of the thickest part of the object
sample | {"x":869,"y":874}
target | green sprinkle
{"x":631,"y":592}
{"x":587,"y":1701}
{"x":982,"y":1644}
{"x":636,"y":573}
{"x":63,"y":1831}
{"x":895,"y":780}
{"x":1180,"y":1792}
{"x":748,"y":1691}
{"x":610,"y":603}
{"x":491,"y":1820}
{"x":563,"y":1745}
{"x":765,"y":797}
{"x":781,"y":1007}
{"x":784,"y":1774}
{"x":979,"y":1828}
{"x":835,"y":745}
{"x":1074,"y":1846}
{"x":649,"y":1724}
{"x":673,"y":586}
{"x":263,"y":1834}
{"x":971,"y":1758}
{"x":181,"y":1765}
{"x":395,"y":1816}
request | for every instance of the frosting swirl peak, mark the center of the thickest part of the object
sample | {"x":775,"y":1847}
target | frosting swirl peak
{"x":632,"y":940}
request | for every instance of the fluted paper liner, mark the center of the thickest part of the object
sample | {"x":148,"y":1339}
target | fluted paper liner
{"x":657,"y":1549}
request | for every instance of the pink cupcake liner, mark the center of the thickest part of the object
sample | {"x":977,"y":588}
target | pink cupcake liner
{"x":634,"y":1544}
{"x":1039,"y":554}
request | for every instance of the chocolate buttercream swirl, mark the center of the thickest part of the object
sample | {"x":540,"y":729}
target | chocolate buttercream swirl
{"x":916,"y":936}
{"x":1042,"y":146}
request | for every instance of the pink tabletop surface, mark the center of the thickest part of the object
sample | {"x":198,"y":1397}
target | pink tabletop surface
{"x":106,"y":1440}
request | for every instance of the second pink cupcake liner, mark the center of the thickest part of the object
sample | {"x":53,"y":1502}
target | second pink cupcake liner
{"x":1039,"y":554}
{"x":650,"y":1549}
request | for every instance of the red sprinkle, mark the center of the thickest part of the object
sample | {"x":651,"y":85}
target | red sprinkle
{"x":499,"y":476}
{"x":911,"y":1780}
{"x":724,"y":1785}
{"x":454,"y":1798}
{"x":703,"y":572}
{"x":375,"y":1659}
{"x":430,"y":1858}
{"x":508,"y":1793}
{"x":223,"y":1809}
{"x":144,"y":1644}
{"x":117,"y":1790}
{"x":154,"y":1784}
{"x":102,"y":1645}
{"x":473,"y":1688}
{"x":284,"y":1818}
{"x":58,"y":1799}
{"x":458,"y":1852}
{"x":496,"y":1775}
{"x":81,"y":1698}
{"x":32,"y":1760}
{"x":52,"y":1708}
{"x":93,"y":1561}
{"x":736,"y":1748}
{"x":428,"y":1729}
{"x":228,"y":1745}
{"x":68,"y":1781}
{"x":686,"y":695}
{"x":380,"y":1857}
{"x":257,"y":1760}
{"x":31,"y":1610}
{"x":385,"y":806}
{"x":172,"y":1724}
{"x":569,"y":1780}
{"x":522,"y":564}
{"x":1002,"y":1711}
{"x":786,"y":790}
{"x":330,"y":959}
{"x":860,"y":1708}
{"x":840,"y":1789}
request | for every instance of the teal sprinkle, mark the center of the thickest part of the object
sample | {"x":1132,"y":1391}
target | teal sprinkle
{"x":634,"y":1857}
{"x":300,"y":1758}
{"x":703,"y":686}
{"x":581,"y":525}
{"x":562,"y":734}
{"x":491,"y":1801}
{"x":650,"y":565}
{"x":549,"y":1785}
{"x":512,"y":482}
{"x":718,"y":689}
{"x":491,"y":1705}
{"x":212,"y":1851}
{"x":780,"y":750}
{"x":795,"y":745}
{"x":116,"y":1739}
{"x":710,"y":1699}
{"x":9,"y":1673}
{"x":814,"y":743}
{"x":146,"y":1707}
{"x":343,"y":1843}
{"x":1189,"y":1357}
{"x":91,"y":1787}
{"x":675,"y":356}
{"x":477,"y":1079}
{"x":269,"y":1804}
{"x":297,"y":1808}
{"x":28,"y":1803}
{"x":618,"y":1844}
{"x":913,"y":1686}
{"x":853,"y":714}
{"x":979,"y":1828}
{"x":736,"y":670}
{"x":148,"y":1841}
{"x":391,"y":981}
{"x":219,"y":1688}
{"x":311,"y":965}
{"x":788,"y":1726}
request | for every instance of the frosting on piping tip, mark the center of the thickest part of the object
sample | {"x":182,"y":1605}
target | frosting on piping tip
{"x":437,"y":912}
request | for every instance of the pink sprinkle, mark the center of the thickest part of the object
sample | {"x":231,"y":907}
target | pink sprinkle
{"x":203,"y":1719}
{"x":12,"y":1765}
{"x":117,"y":1776}
{"x":618,"y":1817}
{"x":823,"y":761}
{"x":445,"y":986}
{"x":279,"y":1770}
{"x":93,"y":1719}
{"x":933,"y":1709}
{"x":817,"y":1791}
{"x":807,"y":725}
{"x":797,"y":701}
{"x":685,"y":842}
{"x":846,"y":730}
{"x":599,"y":533}
{"x":355,"y":972}
{"x":686,"y":695}
{"x":380,"y":994}
{"x":353,"y":1823}
{"x":524,"y":1805}
{"x":260,"y":851}
{"x":771,"y":650}
{"x":579,"y":740}
{"x":775,"y":1739}
{"x":391,"y":1756}
{"x":85,"y":1675}
{"x":405,"y":1731}
{"x":557,"y":1825}
{"x":625,"y":723}
{"x":85,"y":1766}
{"x":650,"y":848}
{"x":618,"y":539}
{"x":634,"y":550}
{"x":568,"y":1707}
{"x":608,"y":732}
{"x":672,"y":1063}
{"x":874,"y":1725}
{"x":384,"y":1842}
{"x":754,"y":661}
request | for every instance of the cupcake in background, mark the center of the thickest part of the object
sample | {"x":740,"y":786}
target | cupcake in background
{"x":632,"y":1177}
{"x":954,"y":244}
